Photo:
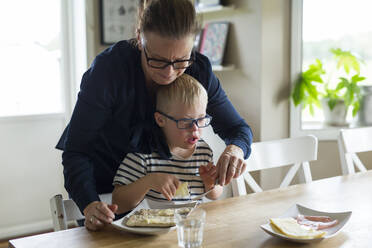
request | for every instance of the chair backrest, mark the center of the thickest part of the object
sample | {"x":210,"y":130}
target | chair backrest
{"x":65,"y":210}
{"x":278,"y":153}
{"x":350,"y":142}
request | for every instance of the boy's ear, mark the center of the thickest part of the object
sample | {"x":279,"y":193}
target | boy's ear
{"x":160,"y":120}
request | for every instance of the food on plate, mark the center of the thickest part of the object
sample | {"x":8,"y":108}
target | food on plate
{"x":290,"y":227}
{"x":162,"y":212}
{"x":316,"y":222}
{"x":154,"y":217}
{"x":150,"y":221}
{"x":182,"y":190}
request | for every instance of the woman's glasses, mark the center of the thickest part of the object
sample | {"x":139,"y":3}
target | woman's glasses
{"x":187,"y":123}
{"x":161,"y":64}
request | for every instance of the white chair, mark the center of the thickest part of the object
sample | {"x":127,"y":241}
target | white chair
{"x":350,"y":142}
{"x":65,"y":210}
{"x":278,"y":153}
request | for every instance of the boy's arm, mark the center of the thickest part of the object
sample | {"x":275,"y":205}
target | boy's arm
{"x":129,"y":196}
{"x":208,"y":175}
{"x":215,"y":193}
{"x":131,"y":182}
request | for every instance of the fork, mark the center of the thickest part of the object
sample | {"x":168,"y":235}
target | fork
{"x":204,"y":194}
{"x":201,"y":196}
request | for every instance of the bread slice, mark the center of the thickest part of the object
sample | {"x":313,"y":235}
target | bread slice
{"x":182,"y":190}
{"x":162,"y":212}
{"x":150,"y":221}
{"x":290,"y":228}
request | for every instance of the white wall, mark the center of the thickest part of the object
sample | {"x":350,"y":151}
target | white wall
{"x":30,"y":173}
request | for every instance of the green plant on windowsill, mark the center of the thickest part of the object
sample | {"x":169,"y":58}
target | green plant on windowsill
{"x":313,"y":91}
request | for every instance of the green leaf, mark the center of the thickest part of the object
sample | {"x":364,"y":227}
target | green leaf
{"x":340,"y":85}
{"x":356,"y":78}
{"x":346,"y":60}
{"x":298,"y":93}
{"x":311,"y":89}
{"x":349,"y":96}
{"x":356,"y":107}
{"x":305,"y":91}
{"x":332,"y":103}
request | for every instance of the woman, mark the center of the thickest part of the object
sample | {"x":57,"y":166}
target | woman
{"x":114,"y":111}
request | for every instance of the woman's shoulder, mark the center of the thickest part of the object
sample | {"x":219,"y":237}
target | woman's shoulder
{"x":125,"y":50}
{"x":200,"y":65}
{"x":114,"y":63}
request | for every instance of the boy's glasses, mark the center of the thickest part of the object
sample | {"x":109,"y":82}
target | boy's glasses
{"x":187,"y":123}
{"x":161,"y":64}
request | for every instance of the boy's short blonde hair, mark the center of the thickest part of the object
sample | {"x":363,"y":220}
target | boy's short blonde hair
{"x":185,"y":89}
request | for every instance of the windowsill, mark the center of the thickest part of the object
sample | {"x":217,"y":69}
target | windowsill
{"x":321,"y":130}
{"x":32,"y":117}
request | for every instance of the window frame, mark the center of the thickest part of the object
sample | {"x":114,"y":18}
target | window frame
{"x":74,"y":60}
{"x":329,"y":133}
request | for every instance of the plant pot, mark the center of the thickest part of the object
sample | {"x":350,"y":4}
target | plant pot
{"x":364,"y":117}
{"x":336,"y":116}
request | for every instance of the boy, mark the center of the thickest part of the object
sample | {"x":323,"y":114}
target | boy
{"x":181,"y":115}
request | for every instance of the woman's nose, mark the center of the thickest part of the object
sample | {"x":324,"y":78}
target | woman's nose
{"x":169,"y":70}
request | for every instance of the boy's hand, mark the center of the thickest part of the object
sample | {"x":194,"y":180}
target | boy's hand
{"x":208,"y":173}
{"x":166,"y":184}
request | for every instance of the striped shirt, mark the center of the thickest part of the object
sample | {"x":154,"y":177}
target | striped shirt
{"x":137,"y":165}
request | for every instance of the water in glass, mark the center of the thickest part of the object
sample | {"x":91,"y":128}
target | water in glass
{"x":190,"y":229}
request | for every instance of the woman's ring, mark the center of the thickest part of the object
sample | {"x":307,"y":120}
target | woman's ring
{"x":91,"y":219}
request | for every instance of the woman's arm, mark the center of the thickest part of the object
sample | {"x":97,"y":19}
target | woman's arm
{"x":91,"y":112}
{"x":227,"y":123}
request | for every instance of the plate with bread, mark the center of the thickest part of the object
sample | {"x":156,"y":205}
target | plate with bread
{"x":152,"y":221}
{"x":155,"y":217}
{"x":306,"y":225}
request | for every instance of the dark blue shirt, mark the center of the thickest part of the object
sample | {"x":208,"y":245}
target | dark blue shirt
{"x":114,"y":115}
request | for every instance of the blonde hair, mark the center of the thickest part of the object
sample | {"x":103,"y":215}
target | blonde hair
{"x":185,"y":89}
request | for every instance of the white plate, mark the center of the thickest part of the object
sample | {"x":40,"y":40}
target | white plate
{"x":297,"y":209}
{"x":120,"y":224}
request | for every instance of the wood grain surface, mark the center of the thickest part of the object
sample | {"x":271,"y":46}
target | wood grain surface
{"x":235,"y":222}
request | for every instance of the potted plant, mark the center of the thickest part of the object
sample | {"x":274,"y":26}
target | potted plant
{"x":334,"y":91}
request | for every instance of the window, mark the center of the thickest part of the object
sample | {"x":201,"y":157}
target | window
{"x":30,"y":61}
{"x":317,"y":27}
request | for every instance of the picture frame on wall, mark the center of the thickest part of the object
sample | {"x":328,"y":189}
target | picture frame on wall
{"x":117,"y":20}
{"x":213,"y":41}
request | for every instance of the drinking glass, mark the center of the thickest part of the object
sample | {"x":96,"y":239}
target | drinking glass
{"x":190,"y":228}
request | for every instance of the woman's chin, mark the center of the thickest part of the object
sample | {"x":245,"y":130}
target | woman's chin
{"x":164,"y":81}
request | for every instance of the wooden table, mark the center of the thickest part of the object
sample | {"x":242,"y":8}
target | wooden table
{"x":235,"y":222}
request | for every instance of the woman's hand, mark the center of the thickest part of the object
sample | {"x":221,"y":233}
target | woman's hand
{"x":230,"y":165}
{"x":208,"y":173}
{"x":166,"y":184}
{"x":97,"y":214}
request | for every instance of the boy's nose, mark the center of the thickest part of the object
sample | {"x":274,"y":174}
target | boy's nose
{"x":194,"y":127}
